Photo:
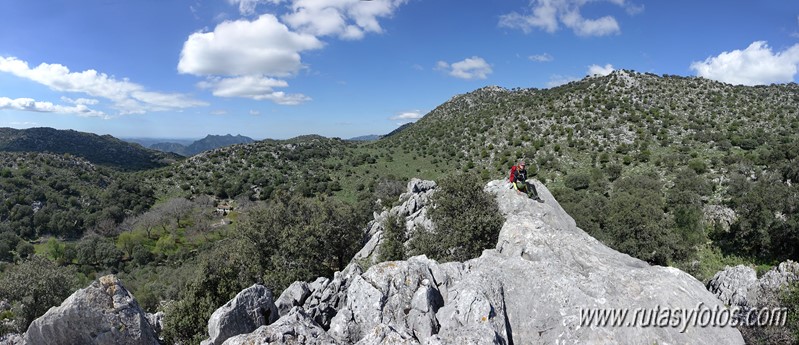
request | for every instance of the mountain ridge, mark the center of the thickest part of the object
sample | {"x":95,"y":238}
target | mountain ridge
{"x":99,"y":149}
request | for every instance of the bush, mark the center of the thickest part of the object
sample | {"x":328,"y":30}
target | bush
{"x":467,"y":220}
{"x":577,"y":181}
{"x":35,"y":285}
{"x":220,"y":275}
{"x":635,"y":221}
{"x":393,"y":246}
{"x":294,"y":238}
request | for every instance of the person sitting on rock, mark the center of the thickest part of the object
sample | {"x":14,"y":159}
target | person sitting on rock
{"x":518,"y":178}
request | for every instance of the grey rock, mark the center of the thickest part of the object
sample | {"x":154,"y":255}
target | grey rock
{"x":386,"y":335}
{"x":294,"y":295}
{"x":102,"y":313}
{"x":328,"y":296}
{"x":719,"y":214}
{"x":12,"y":339}
{"x":416,"y":185}
{"x":251,"y":308}
{"x":732,"y":284}
{"x":530,"y":289}
{"x":475,"y":306}
{"x":550,"y":270}
{"x":766,"y":290}
{"x":295,"y":327}
{"x":739,"y":285}
{"x":156,"y":321}
{"x":401,"y":294}
{"x":412,"y":209}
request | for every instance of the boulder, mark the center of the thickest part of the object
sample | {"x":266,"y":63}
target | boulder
{"x":739,"y":285}
{"x":103,"y":313}
{"x":295,"y":327}
{"x":292,"y":296}
{"x":251,"y":308}
{"x":732,"y":284}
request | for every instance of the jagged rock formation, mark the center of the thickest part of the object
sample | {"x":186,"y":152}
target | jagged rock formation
{"x":529,"y":290}
{"x":103,"y":313}
{"x":739,"y":285}
{"x":251,"y":308}
{"x":296,"y":327}
{"x":412,"y":209}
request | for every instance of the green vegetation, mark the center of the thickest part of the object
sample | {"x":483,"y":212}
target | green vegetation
{"x":467,"y":220}
{"x":393,"y":246}
{"x":34,"y":286}
{"x":672,"y":170}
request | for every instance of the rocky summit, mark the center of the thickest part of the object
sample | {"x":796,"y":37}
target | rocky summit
{"x":533,"y":288}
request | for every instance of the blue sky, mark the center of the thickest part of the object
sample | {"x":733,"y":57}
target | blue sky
{"x":282,"y":68}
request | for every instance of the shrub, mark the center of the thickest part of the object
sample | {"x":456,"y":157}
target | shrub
{"x":393,"y":246}
{"x":577,"y":181}
{"x":35,"y":285}
{"x":466,"y":218}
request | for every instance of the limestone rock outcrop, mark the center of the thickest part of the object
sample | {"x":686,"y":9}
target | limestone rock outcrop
{"x":533,"y":288}
{"x":253,"y":307}
{"x":739,"y":285}
{"x":102,"y":313}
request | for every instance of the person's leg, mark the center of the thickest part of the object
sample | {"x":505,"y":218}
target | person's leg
{"x":532,"y":192}
{"x":521,"y":186}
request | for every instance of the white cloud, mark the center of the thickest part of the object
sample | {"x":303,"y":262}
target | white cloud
{"x":346,"y":19}
{"x":84,"y":101}
{"x":243,"y":47}
{"x":541,"y":57}
{"x":411,"y":115}
{"x":259,"y":53}
{"x":255,"y":112}
{"x":558,"y":80}
{"x":29,"y":104}
{"x":470,"y":68}
{"x":247,"y":7}
{"x":219,"y":112}
{"x":253,"y":87}
{"x":128,"y":97}
{"x":755,"y":65}
{"x":600,"y":70}
{"x":548,"y":15}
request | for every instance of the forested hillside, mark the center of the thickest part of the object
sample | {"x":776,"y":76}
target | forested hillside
{"x":103,"y":150}
{"x":656,"y":166}
{"x":673,"y":170}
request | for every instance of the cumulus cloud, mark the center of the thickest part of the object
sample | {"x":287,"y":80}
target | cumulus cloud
{"x":29,"y":104}
{"x":409,"y":116}
{"x":128,"y":97}
{"x":755,"y":65}
{"x":541,"y":57}
{"x":255,"y":112}
{"x":470,"y":68}
{"x":548,"y":15}
{"x":346,"y":19}
{"x":243,"y":47}
{"x":253,"y":87}
{"x":600,"y":70}
{"x":261,"y":53}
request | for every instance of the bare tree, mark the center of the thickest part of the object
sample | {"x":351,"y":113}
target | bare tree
{"x":178,"y":208}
